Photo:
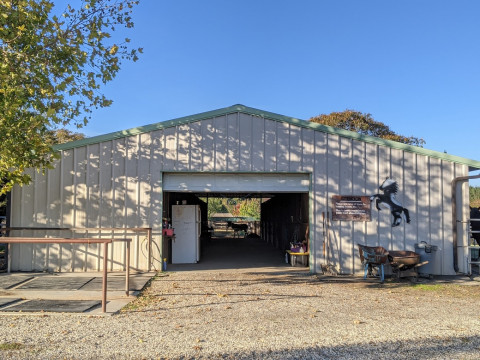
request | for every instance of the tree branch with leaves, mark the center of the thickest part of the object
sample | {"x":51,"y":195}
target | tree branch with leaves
{"x":52,"y":69}
{"x":364,"y":124}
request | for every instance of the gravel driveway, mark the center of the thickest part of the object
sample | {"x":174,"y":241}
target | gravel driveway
{"x":269,"y":313}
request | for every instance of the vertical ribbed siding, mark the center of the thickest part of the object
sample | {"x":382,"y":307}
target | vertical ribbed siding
{"x":118,"y":183}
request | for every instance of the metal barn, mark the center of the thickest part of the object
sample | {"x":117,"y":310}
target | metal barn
{"x":128,"y":179}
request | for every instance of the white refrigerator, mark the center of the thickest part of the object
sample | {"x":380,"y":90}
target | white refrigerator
{"x":186,"y":222}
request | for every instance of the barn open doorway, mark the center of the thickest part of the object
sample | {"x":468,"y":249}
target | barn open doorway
{"x":242,"y":230}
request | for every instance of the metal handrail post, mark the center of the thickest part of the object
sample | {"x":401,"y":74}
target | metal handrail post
{"x":127,"y":280}
{"x":104,"y":282}
{"x":149,"y":261}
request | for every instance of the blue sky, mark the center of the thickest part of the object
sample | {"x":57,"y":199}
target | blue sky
{"x":413,"y":65}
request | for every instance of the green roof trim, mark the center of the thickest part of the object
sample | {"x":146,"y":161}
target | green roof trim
{"x":473,"y":164}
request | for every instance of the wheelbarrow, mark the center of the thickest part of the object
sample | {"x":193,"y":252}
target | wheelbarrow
{"x":373,"y":257}
{"x":405,"y":263}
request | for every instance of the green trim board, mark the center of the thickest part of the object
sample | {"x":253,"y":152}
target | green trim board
{"x":473,"y":164}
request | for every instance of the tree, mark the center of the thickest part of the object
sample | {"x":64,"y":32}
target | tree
{"x":250,"y":208}
{"x":61,"y":136}
{"x":215,"y":206}
{"x":364,"y":124}
{"x":51,"y":72}
{"x":474,"y":196}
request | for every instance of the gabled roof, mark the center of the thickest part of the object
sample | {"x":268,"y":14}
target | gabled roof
{"x":473,"y":164}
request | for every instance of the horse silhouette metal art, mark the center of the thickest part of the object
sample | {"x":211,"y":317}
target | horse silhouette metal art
{"x":388,"y":200}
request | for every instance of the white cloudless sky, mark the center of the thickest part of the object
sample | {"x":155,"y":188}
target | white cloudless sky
{"x":413,"y":65}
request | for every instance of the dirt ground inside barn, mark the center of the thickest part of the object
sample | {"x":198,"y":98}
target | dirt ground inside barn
{"x":264,"y":313}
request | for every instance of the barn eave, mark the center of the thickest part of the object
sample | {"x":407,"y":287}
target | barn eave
{"x":238,"y":108}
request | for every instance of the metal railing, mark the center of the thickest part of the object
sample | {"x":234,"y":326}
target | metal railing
{"x":148,"y":231}
{"x":105,"y":242}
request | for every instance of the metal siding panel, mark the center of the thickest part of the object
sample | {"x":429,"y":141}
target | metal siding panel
{"x":258,"y":144}
{"x":319,"y":182}
{"x":245,"y":140}
{"x":39,"y":193}
{"x":437,"y":211}
{"x":79,"y":251}
{"x":295,"y":149}
{"x":207,"y":146}
{"x":106,"y":186}
{"x":422,"y":205}
{"x":68,"y":203}
{"x":270,"y":145}
{"x":144,"y":197}
{"x":132,"y":182}
{"x":196,"y":147}
{"x":436,"y":207}
{"x":93,"y":186}
{"x":94,"y":198}
{"x":345,"y":166}
{"x":53,"y":215}
{"x":233,"y":145}
{"x":346,"y":253}
{"x":80,"y":168}
{"x":220,"y":125}
{"x":119,"y":182}
{"x":447,"y":230}
{"x":283,"y":146}
{"x":359,"y":188}
{"x":371,"y":188}
{"x":410,"y":199}
{"x":157,"y":151}
{"x":16,"y":206}
{"x":333,"y":188}
{"x":183,"y":147}
{"x":308,"y":149}
{"x":131,"y":200}
{"x":397,"y":171}
{"x":155,"y":223}
{"x":385,"y":221}
{"x":170,"y":148}
{"x":144,"y":177}
{"x":156,"y":200}
{"x":119,"y":193}
{"x":28,"y":199}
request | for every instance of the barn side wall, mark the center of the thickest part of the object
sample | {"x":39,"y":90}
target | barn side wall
{"x":118,"y":183}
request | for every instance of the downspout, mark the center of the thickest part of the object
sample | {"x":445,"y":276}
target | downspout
{"x":454,"y":216}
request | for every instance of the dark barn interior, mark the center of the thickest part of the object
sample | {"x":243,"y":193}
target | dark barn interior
{"x":284,"y":218}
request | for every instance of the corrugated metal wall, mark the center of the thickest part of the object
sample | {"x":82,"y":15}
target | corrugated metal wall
{"x":118,"y":183}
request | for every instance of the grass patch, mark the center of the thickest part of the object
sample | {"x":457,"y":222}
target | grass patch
{"x":10,"y":346}
{"x":144,"y":298}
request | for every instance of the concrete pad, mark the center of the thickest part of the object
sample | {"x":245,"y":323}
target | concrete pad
{"x":8,"y":281}
{"x":8,"y":301}
{"x":68,"y":288}
{"x":77,"y":306}
{"x":55,"y":283}
{"x":116,"y":283}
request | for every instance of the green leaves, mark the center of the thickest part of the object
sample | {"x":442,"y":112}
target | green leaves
{"x":52,"y":69}
{"x":364,"y":124}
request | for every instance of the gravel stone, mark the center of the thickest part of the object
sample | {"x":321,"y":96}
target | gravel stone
{"x":274,"y":313}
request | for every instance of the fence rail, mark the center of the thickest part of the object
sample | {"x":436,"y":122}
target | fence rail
{"x":148,"y":230}
{"x":105,"y":242}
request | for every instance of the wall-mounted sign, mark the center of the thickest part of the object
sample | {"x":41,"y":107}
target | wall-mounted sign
{"x":348,"y":207}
